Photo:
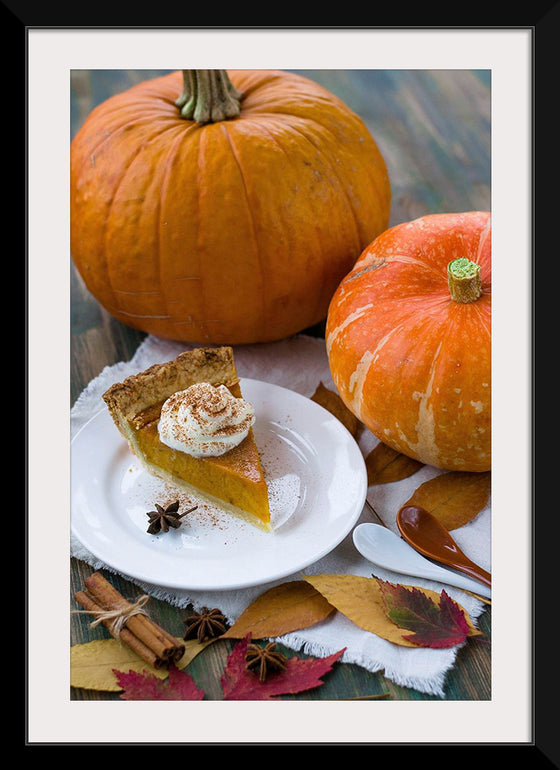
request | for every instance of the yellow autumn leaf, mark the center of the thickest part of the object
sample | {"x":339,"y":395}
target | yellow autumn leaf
{"x":92,"y":663}
{"x":280,"y":610}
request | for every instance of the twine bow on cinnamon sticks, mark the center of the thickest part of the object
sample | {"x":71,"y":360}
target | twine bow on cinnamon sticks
{"x":129,"y":622}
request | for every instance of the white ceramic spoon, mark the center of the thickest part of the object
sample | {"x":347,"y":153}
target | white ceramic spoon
{"x":383,"y":547}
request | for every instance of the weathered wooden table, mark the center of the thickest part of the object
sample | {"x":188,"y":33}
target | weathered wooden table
{"x":433,"y":128}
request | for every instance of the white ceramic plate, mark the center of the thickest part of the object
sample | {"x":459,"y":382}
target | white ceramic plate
{"x":317,"y":487}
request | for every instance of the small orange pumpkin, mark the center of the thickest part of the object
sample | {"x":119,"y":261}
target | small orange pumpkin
{"x":223,"y":207}
{"x":409,"y":339}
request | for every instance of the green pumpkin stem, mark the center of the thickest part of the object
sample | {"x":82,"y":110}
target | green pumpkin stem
{"x":208,"y":96}
{"x":463,"y":278}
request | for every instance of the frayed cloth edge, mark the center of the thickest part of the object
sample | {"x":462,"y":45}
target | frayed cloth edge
{"x":433,"y":686}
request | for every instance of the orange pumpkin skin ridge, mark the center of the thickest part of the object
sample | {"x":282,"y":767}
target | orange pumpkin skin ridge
{"x":227,"y":233}
{"x":411,"y":363}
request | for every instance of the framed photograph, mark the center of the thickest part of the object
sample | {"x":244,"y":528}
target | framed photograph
{"x":327,"y":218}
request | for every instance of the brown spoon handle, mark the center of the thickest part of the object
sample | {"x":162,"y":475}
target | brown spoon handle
{"x":427,"y":535}
{"x":472,"y":569}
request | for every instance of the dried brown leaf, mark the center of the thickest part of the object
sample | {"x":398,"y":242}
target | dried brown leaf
{"x":280,"y":610}
{"x":385,"y":465}
{"x":332,"y":402}
{"x":454,"y":498}
{"x":361,"y":600}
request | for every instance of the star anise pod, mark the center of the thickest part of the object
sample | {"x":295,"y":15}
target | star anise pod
{"x":264,"y":660}
{"x":206,"y":624}
{"x":163,"y":518}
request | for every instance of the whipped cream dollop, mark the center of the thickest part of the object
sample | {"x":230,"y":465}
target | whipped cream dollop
{"x":205,"y":420}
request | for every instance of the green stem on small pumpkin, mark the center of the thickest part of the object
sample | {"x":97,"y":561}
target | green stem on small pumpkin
{"x":208,"y":96}
{"x":463,"y":278}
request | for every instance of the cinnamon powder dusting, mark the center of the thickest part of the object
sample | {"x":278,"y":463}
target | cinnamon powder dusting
{"x":205,"y":513}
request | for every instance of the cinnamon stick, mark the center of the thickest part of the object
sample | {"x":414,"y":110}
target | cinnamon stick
{"x":128,"y":638}
{"x":151,"y":642}
{"x":140,"y":625}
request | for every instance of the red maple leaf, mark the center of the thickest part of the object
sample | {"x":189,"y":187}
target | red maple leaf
{"x":434,"y":625}
{"x":145,"y":686}
{"x":300,"y":674}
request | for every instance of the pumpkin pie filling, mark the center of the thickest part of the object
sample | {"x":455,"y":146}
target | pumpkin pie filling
{"x":234,"y":480}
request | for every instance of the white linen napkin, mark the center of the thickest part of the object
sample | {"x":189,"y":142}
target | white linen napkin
{"x":300,"y":363}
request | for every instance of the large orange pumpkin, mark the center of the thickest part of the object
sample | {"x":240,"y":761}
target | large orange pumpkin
{"x":223,"y":207}
{"x":408,"y":339}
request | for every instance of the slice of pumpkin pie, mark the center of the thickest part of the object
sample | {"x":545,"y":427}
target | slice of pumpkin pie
{"x":187,"y":423}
